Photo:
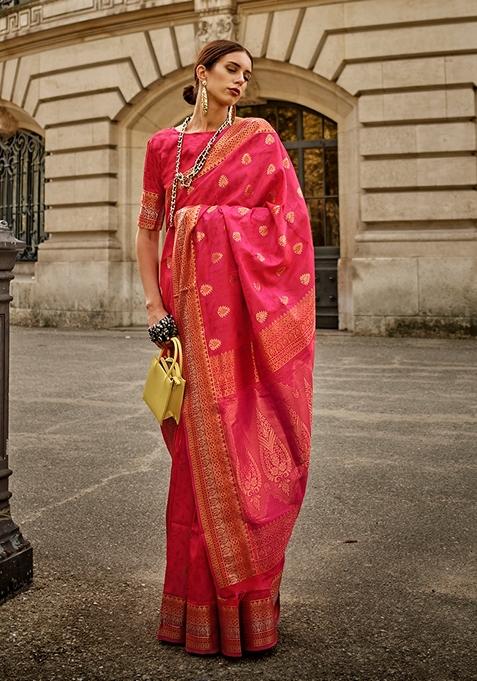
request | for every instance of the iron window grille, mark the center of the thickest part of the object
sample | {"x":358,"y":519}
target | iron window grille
{"x":22,"y":189}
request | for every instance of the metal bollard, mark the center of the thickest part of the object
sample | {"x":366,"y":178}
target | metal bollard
{"x":16,"y":553}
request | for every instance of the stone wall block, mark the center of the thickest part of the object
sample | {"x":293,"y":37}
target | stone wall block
{"x":80,"y":134}
{"x":418,"y":172}
{"x":81,"y":219}
{"x":283,"y":25}
{"x":395,"y":40}
{"x":88,"y":162}
{"x":423,"y":205}
{"x":422,"y":138}
{"x":161,"y":40}
{"x":316,"y":21}
{"x":28,"y":66}
{"x":84,"y":190}
{"x":92,"y":78}
{"x":399,"y":73}
{"x":389,"y":173}
{"x":446,"y":171}
{"x":254,"y":33}
{"x":95,"y":52}
{"x":376,"y":12}
{"x":101,"y":105}
{"x":185,"y":35}
{"x":461,"y":102}
{"x":461,"y":68}
{"x":448,"y":286}
{"x":388,"y":139}
{"x":331,"y":56}
{"x":431,"y":104}
{"x":458,"y":136}
{"x":361,"y":76}
{"x":385,"y":286}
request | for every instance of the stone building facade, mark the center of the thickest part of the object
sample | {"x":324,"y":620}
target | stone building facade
{"x":95,"y":78}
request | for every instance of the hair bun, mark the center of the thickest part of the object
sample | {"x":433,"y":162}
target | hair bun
{"x":189,"y":94}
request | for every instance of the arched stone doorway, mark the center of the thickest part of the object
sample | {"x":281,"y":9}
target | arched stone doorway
{"x":293,"y":86}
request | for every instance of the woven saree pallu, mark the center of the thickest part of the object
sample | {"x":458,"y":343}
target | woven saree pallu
{"x":237,"y":273}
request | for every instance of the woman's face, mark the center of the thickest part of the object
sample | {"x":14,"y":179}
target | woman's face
{"x":227,"y":79}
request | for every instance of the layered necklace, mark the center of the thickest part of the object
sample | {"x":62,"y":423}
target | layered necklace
{"x":185,"y":179}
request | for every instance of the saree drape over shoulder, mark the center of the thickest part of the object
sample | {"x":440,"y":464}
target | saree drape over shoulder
{"x":237,"y":273}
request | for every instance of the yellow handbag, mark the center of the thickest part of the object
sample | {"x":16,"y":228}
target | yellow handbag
{"x":164,"y":388}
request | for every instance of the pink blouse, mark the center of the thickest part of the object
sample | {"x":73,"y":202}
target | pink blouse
{"x":159,"y":166}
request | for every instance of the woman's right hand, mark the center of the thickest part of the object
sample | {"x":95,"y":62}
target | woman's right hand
{"x":155,"y":314}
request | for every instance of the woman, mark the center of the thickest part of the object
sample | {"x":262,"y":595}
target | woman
{"x":237,"y":285}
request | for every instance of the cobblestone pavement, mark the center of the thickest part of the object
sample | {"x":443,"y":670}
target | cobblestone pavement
{"x":377,"y":582}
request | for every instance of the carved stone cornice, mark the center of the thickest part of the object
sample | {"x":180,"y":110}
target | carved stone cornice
{"x":223,"y":6}
{"x":25,"y":19}
{"x":216,"y":27}
{"x":218,"y":20}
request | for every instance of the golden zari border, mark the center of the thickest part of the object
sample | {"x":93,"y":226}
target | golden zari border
{"x":232,"y":138}
{"x":291,"y":333}
{"x":223,"y":365}
{"x":201,"y":627}
{"x":172,"y":619}
{"x":207,"y":628}
{"x":271,"y":539}
{"x":151,"y":211}
{"x":229,"y":618}
{"x":279,"y":342}
{"x":259,"y":623}
{"x":226,"y":534}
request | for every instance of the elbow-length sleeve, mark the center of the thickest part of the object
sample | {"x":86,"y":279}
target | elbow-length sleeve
{"x":151,"y":212}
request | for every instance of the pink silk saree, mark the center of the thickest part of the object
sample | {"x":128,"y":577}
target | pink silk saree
{"x":237,"y":273}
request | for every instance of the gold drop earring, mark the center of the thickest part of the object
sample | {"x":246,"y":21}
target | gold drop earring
{"x":204,"y":99}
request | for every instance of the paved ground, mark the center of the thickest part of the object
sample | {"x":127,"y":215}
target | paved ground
{"x":377,"y":583}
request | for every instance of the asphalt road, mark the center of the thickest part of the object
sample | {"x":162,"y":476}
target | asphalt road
{"x":378,"y":581}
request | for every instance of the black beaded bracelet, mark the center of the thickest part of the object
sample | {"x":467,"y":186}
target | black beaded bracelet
{"x":163,"y":330}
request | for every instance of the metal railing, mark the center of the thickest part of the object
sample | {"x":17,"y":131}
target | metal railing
{"x":22,"y":180}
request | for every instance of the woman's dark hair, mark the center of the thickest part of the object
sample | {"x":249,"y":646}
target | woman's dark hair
{"x":208,"y":56}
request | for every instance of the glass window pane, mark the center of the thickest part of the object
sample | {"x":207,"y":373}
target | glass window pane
{"x":246,"y":111}
{"x":312,"y":126}
{"x":331,"y":171}
{"x":331,"y":129}
{"x":269,"y":113}
{"x":313,"y":160}
{"x":332,"y":223}
{"x":287,"y":123}
{"x":315,"y":209}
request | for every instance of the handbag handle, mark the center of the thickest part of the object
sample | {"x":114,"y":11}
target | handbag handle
{"x":177,"y":353}
{"x":178,"y":347}
{"x":171,"y":365}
